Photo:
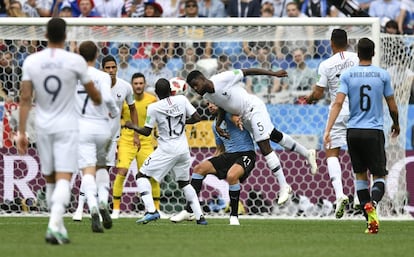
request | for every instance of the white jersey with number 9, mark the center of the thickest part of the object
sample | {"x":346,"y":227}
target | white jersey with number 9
{"x":54,"y":74}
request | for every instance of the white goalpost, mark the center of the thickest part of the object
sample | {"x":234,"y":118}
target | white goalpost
{"x":228,"y":38}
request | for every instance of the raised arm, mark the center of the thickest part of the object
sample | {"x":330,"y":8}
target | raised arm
{"x":258,"y":71}
{"x":146,"y":131}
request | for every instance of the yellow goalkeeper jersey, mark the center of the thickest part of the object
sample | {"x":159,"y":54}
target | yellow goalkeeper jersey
{"x":141,"y":107}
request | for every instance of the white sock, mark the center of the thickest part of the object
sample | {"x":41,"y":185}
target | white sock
{"x":81,"y":197}
{"x":335,"y":173}
{"x":103,"y":184}
{"x":60,"y":199}
{"x":290,"y":144}
{"x":274,"y":164}
{"x":145,"y":190}
{"x":89,"y":187}
{"x":191,"y":197}
{"x":48,"y":193}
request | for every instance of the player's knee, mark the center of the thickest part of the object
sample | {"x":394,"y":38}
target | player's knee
{"x":232,"y":178}
{"x":276,"y":135}
{"x":121,"y":171}
{"x":199,"y":169}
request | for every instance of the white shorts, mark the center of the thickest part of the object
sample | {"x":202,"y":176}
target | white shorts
{"x":93,"y":149}
{"x":159,"y":163}
{"x":338,"y":132}
{"x":58,"y":152}
{"x":257,"y":121}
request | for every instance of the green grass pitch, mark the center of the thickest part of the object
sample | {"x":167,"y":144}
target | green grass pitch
{"x":24,"y":237}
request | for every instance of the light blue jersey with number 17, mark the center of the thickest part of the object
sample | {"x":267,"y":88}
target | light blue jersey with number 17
{"x":366,"y":86}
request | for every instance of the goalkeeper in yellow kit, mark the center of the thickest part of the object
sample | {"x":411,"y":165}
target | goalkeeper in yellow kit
{"x":127,"y":151}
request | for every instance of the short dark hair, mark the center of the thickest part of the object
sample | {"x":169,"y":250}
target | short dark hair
{"x":162,"y":88}
{"x":108,"y":58}
{"x":137,"y":75}
{"x":88,"y":50}
{"x":56,"y":30}
{"x":366,"y":49}
{"x":392,"y":24}
{"x":193,"y":75}
{"x":339,"y":38}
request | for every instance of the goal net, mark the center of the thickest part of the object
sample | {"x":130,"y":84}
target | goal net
{"x":214,"y":45}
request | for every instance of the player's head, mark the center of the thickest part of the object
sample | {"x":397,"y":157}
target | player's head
{"x":108,"y":58}
{"x":212,"y":108}
{"x":138,"y":83}
{"x":366,"y":49}
{"x":56,"y":30}
{"x":162,"y":88}
{"x":88,"y":50}
{"x":339,"y":39}
{"x":195,"y":80}
{"x":109,"y":65}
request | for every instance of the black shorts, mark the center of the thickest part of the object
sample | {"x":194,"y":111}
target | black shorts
{"x":223,"y":162}
{"x":367,"y":150}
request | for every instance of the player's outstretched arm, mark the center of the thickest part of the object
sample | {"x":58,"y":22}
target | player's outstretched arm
{"x":317,"y":93}
{"x":146,"y":131}
{"x":193,"y":119}
{"x":257,"y":71}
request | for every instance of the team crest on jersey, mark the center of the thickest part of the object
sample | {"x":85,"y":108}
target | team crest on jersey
{"x":119,"y":95}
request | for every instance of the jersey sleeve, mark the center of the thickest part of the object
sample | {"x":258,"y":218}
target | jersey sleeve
{"x":151,"y":117}
{"x":343,"y":83}
{"x":107,"y":95}
{"x":322,"y":80}
{"x":130,"y":95}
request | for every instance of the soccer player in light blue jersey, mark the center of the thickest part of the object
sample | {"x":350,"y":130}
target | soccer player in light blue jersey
{"x":366,"y":85}
{"x":233,"y":160}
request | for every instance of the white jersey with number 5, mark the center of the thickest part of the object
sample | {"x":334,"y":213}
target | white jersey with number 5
{"x":228,"y":94}
{"x":330,"y":70}
{"x":170,"y":114}
{"x":54,"y":74}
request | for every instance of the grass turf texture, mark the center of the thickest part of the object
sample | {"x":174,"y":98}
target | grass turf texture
{"x":24,"y":237}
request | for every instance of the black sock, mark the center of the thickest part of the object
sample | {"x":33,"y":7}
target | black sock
{"x":377,"y":191}
{"x":234,"y":202}
{"x":364,"y":197}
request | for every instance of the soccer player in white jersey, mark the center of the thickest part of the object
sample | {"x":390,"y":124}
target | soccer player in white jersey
{"x":366,"y":86}
{"x":170,"y":114}
{"x":51,"y":76}
{"x":224,"y":90}
{"x":328,"y":73}
{"x":95,"y":137}
{"x":121,"y":91}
